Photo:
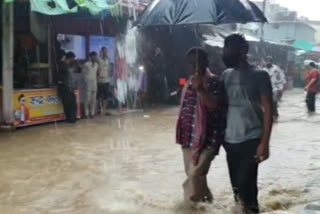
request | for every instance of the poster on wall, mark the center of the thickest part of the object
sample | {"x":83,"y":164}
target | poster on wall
{"x":74,"y":43}
{"x":97,"y":42}
{"x":38,"y":106}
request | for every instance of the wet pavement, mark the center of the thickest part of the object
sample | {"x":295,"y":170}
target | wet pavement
{"x":129,"y":164}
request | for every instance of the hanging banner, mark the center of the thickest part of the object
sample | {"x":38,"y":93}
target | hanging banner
{"x":52,"y":7}
{"x":96,"y":6}
{"x":58,"y":7}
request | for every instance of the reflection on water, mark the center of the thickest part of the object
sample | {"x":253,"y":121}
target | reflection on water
{"x":129,"y":164}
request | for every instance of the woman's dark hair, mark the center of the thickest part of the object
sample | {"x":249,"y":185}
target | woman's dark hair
{"x":201,"y":56}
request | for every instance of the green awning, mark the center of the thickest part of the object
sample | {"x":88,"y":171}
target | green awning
{"x":55,"y":7}
{"x":58,"y":7}
{"x":303,"y":45}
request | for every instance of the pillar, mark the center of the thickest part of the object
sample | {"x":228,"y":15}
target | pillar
{"x":7,"y":62}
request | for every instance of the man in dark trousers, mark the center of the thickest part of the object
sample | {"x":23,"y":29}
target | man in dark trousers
{"x":65,"y":88}
{"x":249,"y":121}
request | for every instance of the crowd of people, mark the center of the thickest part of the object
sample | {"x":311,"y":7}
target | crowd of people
{"x":279,"y":81}
{"x":92,"y":79}
{"x":236,"y":111}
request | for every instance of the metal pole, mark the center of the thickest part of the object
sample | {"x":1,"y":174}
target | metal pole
{"x":7,"y":63}
{"x":264,"y":4}
{"x":261,"y":49}
{"x":50,"y":77}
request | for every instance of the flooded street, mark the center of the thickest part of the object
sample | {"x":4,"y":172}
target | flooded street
{"x":130,"y":165}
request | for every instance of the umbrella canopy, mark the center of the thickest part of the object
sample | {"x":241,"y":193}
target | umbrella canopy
{"x":179,"y":12}
{"x":217,"y":40}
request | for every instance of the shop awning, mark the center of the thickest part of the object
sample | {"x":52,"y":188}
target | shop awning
{"x":94,"y":7}
{"x":58,"y":7}
{"x":303,"y":45}
{"x":217,"y":39}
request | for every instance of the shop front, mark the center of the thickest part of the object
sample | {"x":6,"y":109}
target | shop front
{"x":28,"y":93}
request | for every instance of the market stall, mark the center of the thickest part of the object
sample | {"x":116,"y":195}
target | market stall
{"x":28,"y":93}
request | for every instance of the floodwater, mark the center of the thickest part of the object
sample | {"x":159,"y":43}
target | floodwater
{"x":130,"y":165}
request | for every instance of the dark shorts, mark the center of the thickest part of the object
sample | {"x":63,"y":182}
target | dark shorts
{"x":103,"y":91}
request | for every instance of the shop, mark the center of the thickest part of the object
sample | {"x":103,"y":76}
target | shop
{"x":31,"y":47}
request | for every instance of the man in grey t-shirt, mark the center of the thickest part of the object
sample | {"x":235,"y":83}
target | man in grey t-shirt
{"x":249,"y":120}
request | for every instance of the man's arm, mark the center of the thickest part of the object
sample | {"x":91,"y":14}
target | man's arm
{"x":263,"y":148}
{"x":85,"y":69}
{"x":208,"y":98}
{"x":283,"y":77}
{"x":266,"y":103}
{"x":313,"y":80}
{"x":315,"y":77}
{"x":311,"y":83}
{"x":98,"y":71}
{"x":279,"y":71}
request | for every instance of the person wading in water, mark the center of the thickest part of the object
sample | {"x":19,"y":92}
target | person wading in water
{"x":249,"y":121}
{"x":201,"y":125}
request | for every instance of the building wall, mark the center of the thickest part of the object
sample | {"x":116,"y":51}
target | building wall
{"x":305,"y":33}
{"x":278,"y":32}
{"x":316,"y":25}
{"x":288,"y":31}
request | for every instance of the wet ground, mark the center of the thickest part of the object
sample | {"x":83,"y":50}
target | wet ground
{"x":130,"y":165}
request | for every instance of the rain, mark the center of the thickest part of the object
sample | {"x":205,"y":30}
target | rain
{"x":93,"y":96}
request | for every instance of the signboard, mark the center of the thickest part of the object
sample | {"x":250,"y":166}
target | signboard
{"x":38,"y":106}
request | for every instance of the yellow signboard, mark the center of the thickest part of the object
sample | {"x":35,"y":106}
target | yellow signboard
{"x":37,"y":106}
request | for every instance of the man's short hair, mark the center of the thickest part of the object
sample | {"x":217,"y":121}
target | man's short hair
{"x":93,"y":53}
{"x":70,"y":55}
{"x":269,"y":58}
{"x":200,"y":55}
{"x":312,"y":64}
{"x":238,"y":41}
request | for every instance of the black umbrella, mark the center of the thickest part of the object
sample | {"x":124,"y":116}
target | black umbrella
{"x":180,"y":12}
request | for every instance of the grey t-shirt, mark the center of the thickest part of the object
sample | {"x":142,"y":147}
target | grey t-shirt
{"x":245,"y":115}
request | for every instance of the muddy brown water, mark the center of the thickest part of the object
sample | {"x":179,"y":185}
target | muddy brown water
{"x":130,"y":165}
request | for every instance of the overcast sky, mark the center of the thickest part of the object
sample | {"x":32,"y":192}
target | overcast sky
{"x":308,"y":8}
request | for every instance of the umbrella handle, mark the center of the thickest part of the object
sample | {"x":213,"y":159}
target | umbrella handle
{"x":196,"y":32}
{"x":196,"y":29}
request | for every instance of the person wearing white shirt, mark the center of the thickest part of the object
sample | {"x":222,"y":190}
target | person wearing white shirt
{"x":104,"y":79}
{"x":278,"y":81}
{"x":90,"y":72}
